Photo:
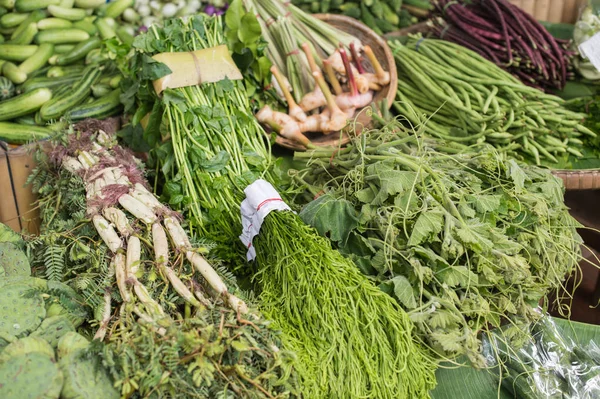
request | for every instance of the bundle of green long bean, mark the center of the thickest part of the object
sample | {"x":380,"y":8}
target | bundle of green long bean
{"x":353,"y":341}
{"x":469,"y":100}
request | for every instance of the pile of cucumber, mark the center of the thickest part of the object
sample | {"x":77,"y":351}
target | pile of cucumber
{"x":382,"y":16}
{"x":52,"y":66}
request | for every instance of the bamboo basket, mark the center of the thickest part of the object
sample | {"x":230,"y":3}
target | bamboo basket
{"x":362,"y":118}
{"x":576,"y":180}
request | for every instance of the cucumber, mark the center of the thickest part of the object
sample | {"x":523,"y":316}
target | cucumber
{"x":79,"y":51}
{"x":60,"y":71}
{"x":115,"y":81}
{"x":72,"y":14}
{"x":49,"y":83}
{"x":95,"y":56}
{"x":12,"y":72}
{"x":124,"y":35}
{"x":38,"y":59}
{"x":116,"y":8}
{"x":35,"y":16}
{"x":54,"y":23}
{"x":104,"y":28}
{"x":87,"y":24}
{"x":15,"y":52}
{"x":67,"y":3}
{"x":63,"y":48}
{"x":26,"y":120}
{"x":24,"y":104}
{"x":30,"y":5}
{"x":8,"y":4}
{"x":61,"y":36}
{"x":27,"y":35}
{"x":89,"y":3}
{"x":54,"y":109}
{"x":15,"y":133}
{"x":12,"y":19}
{"x":100,"y":90}
{"x":101,"y":108}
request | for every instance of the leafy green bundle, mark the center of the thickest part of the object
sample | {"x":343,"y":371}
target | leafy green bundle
{"x":463,"y":238}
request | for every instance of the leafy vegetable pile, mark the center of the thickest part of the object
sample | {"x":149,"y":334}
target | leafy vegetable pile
{"x":170,"y":324}
{"x":464,"y":239}
{"x":468,"y":99}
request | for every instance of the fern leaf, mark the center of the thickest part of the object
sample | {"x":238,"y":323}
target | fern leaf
{"x":54,"y":262}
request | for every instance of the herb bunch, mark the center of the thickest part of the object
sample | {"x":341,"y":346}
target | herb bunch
{"x":462,"y":238}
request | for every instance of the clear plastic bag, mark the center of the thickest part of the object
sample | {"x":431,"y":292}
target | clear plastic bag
{"x":547,"y":365}
{"x":587,"y":25}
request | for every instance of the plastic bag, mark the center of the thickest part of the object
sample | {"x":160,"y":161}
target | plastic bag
{"x":587,"y":26}
{"x":546,"y":364}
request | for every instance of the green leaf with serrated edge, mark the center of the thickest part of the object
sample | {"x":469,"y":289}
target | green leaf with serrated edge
{"x":455,"y":276}
{"x":403,"y":292}
{"x":517,"y":175}
{"x":332,"y":217}
{"x":393,"y":182}
{"x":428,"y":225}
{"x":485,"y":203}
{"x":450,"y":342}
{"x":366,"y":195}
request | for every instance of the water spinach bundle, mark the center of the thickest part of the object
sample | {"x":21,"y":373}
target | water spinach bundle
{"x":470,"y":99}
{"x":463,"y":239}
{"x":352,"y":341}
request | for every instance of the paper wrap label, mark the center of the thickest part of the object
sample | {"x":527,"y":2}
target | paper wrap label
{"x":590,"y":49}
{"x":261,"y":199}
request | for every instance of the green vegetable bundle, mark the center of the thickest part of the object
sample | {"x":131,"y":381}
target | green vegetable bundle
{"x":468,"y":99}
{"x":461,"y":237}
{"x":351,"y":340}
{"x":382,"y":16}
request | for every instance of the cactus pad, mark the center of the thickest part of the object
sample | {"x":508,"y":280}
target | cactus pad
{"x":13,"y":261}
{"x":53,"y":328}
{"x":85,"y":377}
{"x":29,"y":371}
{"x":21,"y":309}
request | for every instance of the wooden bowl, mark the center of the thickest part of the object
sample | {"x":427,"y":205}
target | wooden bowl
{"x":362,"y":118}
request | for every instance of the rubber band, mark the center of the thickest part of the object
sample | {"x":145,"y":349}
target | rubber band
{"x":197,"y":65}
{"x":293,"y":52}
{"x":421,"y":39}
{"x":270,"y":22}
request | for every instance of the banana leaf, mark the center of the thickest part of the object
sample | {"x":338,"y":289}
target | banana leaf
{"x":469,"y":383}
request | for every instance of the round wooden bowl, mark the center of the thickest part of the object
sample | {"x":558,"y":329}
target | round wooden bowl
{"x":573,"y":180}
{"x":362,"y":118}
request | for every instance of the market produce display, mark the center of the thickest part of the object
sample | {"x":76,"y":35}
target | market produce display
{"x":461,"y":237}
{"x":509,"y":37}
{"x":468,"y":99}
{"x":52,"y":55}
{"x":149,"y":12}
{"x":169,"y":323}
{"x":351,"y":340}
{"x":382,"y":16}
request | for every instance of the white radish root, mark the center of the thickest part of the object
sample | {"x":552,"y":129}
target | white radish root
{"x":72,"y":165}
{"x":134,"y":253}
{"x":140,"y":193}
{"x":207,"y":271}
{"x":236,"y":304}
{"x":177,"y":234}
{"x":121,"y":276}
{"x":87,"y":159}
{"x":107,"y":233}
{"x":119,"y":219}
{"x":106,"y":311}
{"x":137,"y":209}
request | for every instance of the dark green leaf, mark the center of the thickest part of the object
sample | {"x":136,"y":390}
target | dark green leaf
{"x":428,"y":226}
{"x":249,"y":30}
{"x":404,"y":292}
{"x":216,"y":163}
{"x":332,"y":217}
{"x":152,"y":69}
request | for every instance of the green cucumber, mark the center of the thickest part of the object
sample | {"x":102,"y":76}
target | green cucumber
{"x":24,"y":104}
{"x":27,"y":35}
{"x":12,"y":72}
{"x":35,"y":16}
{"x":26,"y":120}
{"x":7,"y":31}
{"x":100,"y":90}
{"x":61,"y":36}
{"x":54,"y":23}
{"x":87,"y":25}
{"x":7,"y":88}
{"x":38,"y":59}
{"x":81,"y":89}
{"x":103,"y":107}
{"x":124,"y":35}
{"x":80,"y":51}
{"x":72,"y":14}
{"x":104,"y":28}
{"x":60,"y":71}
{"x":67,"y":3}
{"x":63,"y":48}
{"x":15,"y":52}
{"x":30,"y":5}
{"x":8,"y":4}
{"x":89,"y":3}
{"x":15,"y":133}
{"x":116,"y":8}
{"x":95,"y":56}
{"x":13,"y":19}
{"x":49,"y":83}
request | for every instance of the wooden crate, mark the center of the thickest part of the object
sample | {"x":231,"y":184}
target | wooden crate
{"x":17,"y":202}
{"x":565,"y":11}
